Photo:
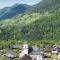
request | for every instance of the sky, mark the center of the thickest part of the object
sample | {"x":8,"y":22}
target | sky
{"x":7,"y":3}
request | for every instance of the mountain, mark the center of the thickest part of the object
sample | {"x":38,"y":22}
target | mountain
{"x":42,"y":6}
{"x":45,"y":5}
{"x":34,"y":26}
{"x":9,"y":12}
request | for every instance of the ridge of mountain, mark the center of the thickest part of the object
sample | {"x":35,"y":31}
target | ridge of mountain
{"x":45,"y":5}
{"x":9,"y":12}
{"x":42,"y":6}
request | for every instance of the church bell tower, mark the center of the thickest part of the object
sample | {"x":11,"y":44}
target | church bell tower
{"x":24,"y":49}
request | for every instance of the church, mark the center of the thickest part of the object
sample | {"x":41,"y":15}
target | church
{"x":35,"y":54}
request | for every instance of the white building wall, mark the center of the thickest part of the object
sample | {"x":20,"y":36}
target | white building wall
{"x":24,"y":50}
{"x":58,"y":56}
{"x":37,"y":57}
{"x":54,"y":52}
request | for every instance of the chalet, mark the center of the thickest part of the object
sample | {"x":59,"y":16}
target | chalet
{"x":10,"y":54}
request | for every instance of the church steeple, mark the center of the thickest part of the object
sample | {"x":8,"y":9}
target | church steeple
{"x":25,"y":48}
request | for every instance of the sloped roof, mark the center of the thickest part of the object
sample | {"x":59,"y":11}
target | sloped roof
{"x":36,"y":51}
{"x":26,"y":58}
{"x":17,"y":47}
{"x":10,"y":53}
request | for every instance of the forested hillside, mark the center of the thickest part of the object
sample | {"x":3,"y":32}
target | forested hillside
{"x":40,"y":23}
{"x":33,"y":26}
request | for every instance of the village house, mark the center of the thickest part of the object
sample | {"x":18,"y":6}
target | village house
{"x":10,"y":53}
{"x":56,"y":52}
{"x":35,"y":54}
